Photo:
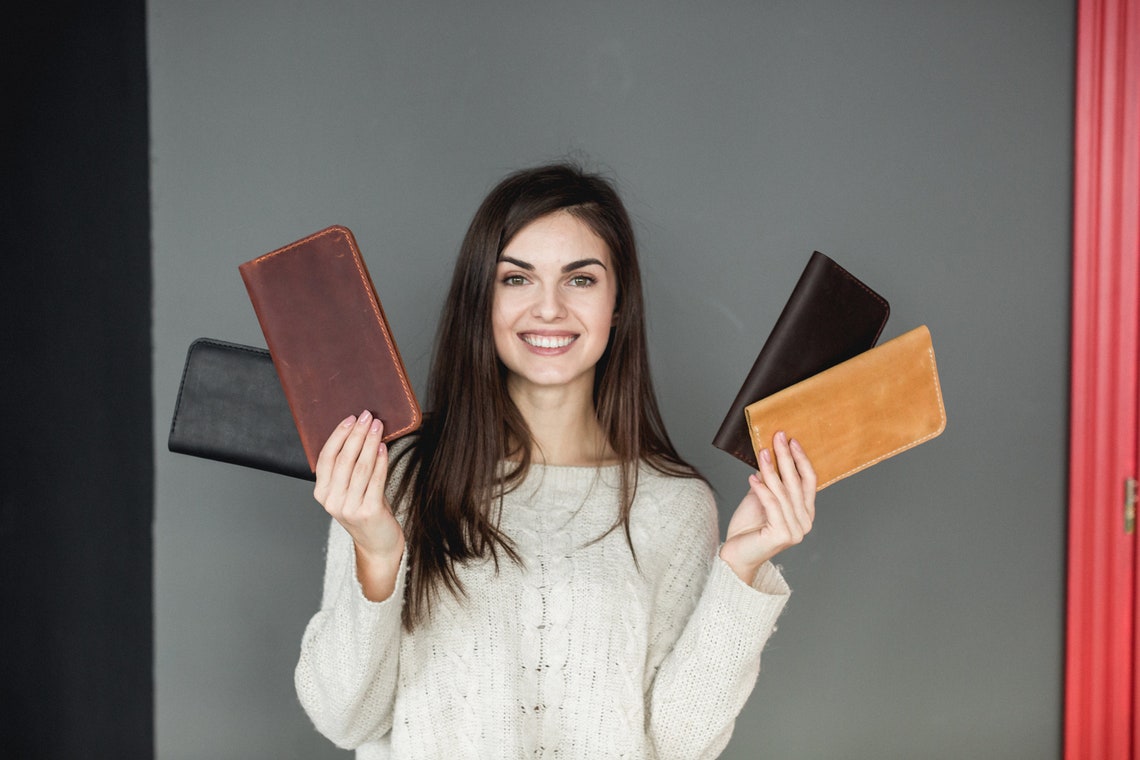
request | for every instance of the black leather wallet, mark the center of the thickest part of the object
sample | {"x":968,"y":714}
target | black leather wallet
{"x":231,"y":408}
{"x":830,"y":317}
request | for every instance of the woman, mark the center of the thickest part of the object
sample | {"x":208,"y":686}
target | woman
{"x":540,"y":576}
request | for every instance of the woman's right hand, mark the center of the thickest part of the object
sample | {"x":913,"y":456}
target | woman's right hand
{"x":352,"y":472}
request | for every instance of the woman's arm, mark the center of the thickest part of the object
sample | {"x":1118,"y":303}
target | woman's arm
{"x":708,"y":645}
{"x":352,"y":473}
{"x":346,"y":675}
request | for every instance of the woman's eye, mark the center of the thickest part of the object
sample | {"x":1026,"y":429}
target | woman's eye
{"x":514,"y":279}
{"x":582,"y":280}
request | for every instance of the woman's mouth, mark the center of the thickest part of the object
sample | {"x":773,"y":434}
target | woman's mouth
{"x":548,"y":341}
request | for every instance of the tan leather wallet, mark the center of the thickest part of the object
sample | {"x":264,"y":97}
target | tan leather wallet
{"x":858,"y":413}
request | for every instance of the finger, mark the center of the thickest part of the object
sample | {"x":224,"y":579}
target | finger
{"x":775,"y":512}
{"x":364,"y":466}
{"x":791,"y":497}
{"x":374,"y":493}
{"x":379,"y":478}
{"x":807,"y":478}
{"x":768,"y":475}
{"x":345,"y":460}
{"x":327,"y":457}
{"x":798,"y":493}
{"x":788,"y":473}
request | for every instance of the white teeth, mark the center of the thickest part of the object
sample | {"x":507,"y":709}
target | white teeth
{"x":544,"y":341}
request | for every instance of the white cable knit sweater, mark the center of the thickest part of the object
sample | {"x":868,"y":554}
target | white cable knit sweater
{"x":575,"y":654}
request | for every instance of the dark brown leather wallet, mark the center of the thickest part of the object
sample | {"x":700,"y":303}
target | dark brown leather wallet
{"x":830,"y":317}
{"x":329,"y":338}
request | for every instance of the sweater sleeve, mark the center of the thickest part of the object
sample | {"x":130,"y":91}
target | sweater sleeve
{"x":708,"y":632}
{"x":346,"y":675}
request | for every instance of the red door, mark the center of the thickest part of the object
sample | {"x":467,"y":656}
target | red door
{"x":1102,"y":687}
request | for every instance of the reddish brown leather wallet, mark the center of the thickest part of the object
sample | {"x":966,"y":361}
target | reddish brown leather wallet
{"x":329,"y":338}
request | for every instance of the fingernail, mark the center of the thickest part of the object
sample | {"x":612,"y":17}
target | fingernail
{"x":796,"y":444}
{"x":348,"y":421}
{"x":766,"y":456}
{"x":375,"y":427}
{"x":364,"y":417}
{"x":782,"y":436}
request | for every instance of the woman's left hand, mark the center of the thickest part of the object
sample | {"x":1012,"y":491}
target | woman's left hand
{"x":777,"y":512}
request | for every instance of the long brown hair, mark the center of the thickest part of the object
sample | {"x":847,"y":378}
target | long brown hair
{"x":455,"y":466}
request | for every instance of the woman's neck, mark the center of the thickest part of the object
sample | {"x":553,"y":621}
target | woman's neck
{"x":563,"y":424}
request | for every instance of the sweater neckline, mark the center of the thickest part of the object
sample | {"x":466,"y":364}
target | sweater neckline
{"x":563,"y":476}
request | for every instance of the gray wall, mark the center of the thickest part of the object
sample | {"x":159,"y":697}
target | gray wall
{"x":926,"y":146}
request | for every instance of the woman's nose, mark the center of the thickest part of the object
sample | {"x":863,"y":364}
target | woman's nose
{"x":549,"y":304}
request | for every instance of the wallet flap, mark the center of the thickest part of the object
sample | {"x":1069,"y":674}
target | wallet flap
{"x":858,"y":413}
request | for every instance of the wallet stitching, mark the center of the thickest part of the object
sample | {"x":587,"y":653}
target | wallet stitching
{"x":357,"y":259}
{"x":942,"y":426}
{"x":739,"y":453}
{"x":384,"y":330}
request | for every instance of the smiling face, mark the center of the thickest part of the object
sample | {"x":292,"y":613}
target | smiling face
{"x":554,"y":301}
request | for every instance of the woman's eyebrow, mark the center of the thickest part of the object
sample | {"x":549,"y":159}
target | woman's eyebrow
{"x":517,"y":263}
{"x":582,"y":263}
{"x":566,"y":268}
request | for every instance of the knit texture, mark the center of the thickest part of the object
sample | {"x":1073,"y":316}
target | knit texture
{"x":579,"y":652}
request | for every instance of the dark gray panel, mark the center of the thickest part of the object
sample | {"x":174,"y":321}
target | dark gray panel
{"x":76,"y":463}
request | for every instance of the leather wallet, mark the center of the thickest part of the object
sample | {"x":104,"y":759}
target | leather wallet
{"x":858,"y":413}
{"x":830,"y":317}
{"x":231,"y":408}
{"x":329,"y":338}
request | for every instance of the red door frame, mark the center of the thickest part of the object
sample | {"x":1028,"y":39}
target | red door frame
{"x":1101,"y":683}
